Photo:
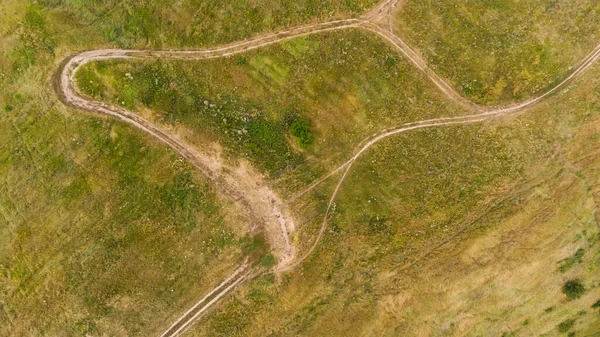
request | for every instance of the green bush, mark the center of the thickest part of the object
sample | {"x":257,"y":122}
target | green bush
{"x":266,"y":144}
{"x":574,"y":289}
{"x":256,"y":244}
{"x":566,"y":325}
{"x":596,"y":305}
{"x":300,"y":129}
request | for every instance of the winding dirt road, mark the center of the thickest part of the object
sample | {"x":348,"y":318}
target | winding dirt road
{"x":256,"y":199}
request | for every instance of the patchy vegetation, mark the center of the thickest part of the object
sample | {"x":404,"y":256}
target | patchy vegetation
{"x":501,"y":50}
{"x":102,"y":230}
{"x":188,"y":23}
{"x":565,"y":326}
{"x":437,"y":223}
{"x":345,"y":92}
{"x":105,"y":207}
{"x":300,"y":129}
{"x":568,"y":263}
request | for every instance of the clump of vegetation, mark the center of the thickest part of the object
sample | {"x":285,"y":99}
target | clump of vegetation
{"x":265,"y":144}
{"x":252,"y":245}
{"x":300,"y":129}
{"x":565,"y":326}
{"x":267,"y":260}
{"x":90,"y":83}
{"x":258,"y":249}
{"x":568,"y":263}
{"x":574,"y":289}
{"x":596,"y":305}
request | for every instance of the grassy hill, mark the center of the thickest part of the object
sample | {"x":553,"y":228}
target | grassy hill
{"x":104,"y":231}
{"x":500,"y":50}
{"x":458,"y":231}
{"x":461,"y":230}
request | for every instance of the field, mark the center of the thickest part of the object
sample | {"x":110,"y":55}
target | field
{"x":193,"y":23}
{"x":464,"y":230}
{"x":104,"y":231}
{"x":436,"y":241}
{"x":250,"y":102}
{"x":406,"y":202}
{"x":500,"y":50}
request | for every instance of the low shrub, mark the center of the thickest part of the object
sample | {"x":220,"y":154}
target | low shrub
{"x":300,"y":129}
{"x":574,"y":289}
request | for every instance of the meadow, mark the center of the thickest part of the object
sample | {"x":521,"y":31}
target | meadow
{"x":420,"y":215}
{"x":103,"y":230}
{"x":462,"y":231}
{"x":500,"y":51}
{"x":341,"y":87}
{"x":193,"y":23}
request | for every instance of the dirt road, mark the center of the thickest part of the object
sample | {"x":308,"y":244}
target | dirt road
{"x":185,"y":321}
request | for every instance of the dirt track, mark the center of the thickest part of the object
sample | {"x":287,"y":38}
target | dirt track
{"x":260,"y":203}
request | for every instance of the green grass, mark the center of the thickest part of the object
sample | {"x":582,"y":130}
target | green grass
{"x":193,"y":22}
{"x":90,"y":83}
{"x":568,"y":263}
{"x":99,"y":221}
{"x":501,"y":50}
